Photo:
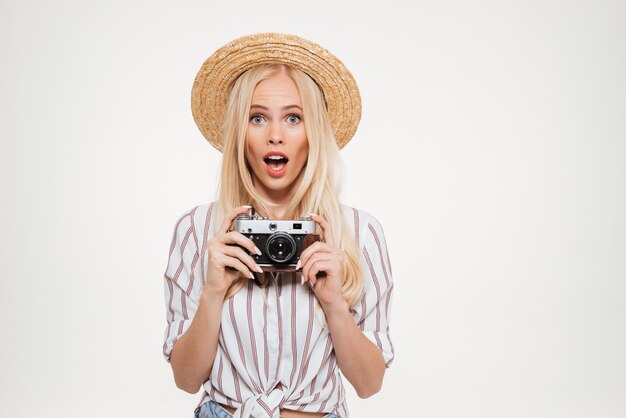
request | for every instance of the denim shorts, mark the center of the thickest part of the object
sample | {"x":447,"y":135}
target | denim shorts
{"x":212,"y":409}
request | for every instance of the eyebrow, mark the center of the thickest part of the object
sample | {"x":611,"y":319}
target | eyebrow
{"x":283,"y":108}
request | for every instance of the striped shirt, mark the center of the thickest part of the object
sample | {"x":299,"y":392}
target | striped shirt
{"x":274,"y":350}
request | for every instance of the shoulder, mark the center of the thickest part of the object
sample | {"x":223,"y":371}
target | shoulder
{"x":194,"y":223}
{"x":362,"y":223}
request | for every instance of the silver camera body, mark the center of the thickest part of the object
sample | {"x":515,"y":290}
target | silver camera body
{"x":281,"y":241}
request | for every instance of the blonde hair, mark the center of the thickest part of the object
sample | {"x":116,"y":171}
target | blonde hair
{"x":320,"y":186}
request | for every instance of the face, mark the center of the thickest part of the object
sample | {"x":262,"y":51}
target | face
{"x":276,"y":142}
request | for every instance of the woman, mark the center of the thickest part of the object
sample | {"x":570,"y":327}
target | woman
{"x":265,"y":344}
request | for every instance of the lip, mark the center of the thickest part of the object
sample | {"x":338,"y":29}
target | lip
{"x":269,"y":170}
{"x":280,"y":154}
{"x":278,"y":173}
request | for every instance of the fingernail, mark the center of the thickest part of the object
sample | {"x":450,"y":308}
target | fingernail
{"x":302,"y":280}
{"x":312,"y":214}
{"x":256,"y":250}
{"x":258,"y":268}
{"x":251,"y":276}
{"x":246,"y":206}
{"x":298,"y":265}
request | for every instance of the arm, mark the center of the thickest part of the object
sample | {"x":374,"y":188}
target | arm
{"x":358,"y":358}
{"x":363,"y":348}
{"x":194,"y":312}
{"x":193,"y":355}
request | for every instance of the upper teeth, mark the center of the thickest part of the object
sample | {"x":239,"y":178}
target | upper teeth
{"x":275,"y":157}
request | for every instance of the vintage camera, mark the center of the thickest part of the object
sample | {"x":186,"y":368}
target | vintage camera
{"x":281,"y":241}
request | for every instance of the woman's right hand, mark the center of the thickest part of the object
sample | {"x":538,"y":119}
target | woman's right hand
{"x":228,"y":262}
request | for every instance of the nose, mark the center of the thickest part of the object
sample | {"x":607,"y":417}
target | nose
{"x":275,"y":134}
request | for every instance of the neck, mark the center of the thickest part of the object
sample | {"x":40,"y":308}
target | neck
{"x":279,"y":199}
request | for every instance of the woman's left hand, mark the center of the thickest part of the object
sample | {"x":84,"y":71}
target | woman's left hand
{"x":322,"y":266}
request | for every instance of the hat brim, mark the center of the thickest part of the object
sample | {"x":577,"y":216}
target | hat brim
{"x":215,"y":78}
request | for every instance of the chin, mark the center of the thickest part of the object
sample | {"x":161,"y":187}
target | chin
{"x":279,"y":185}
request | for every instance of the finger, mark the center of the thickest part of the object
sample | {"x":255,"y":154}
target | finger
{"x":237,"y":265}
{"x":305,"y":279}
{"x":231,"y":217}
{"x":327,"y":231}
{"x":305,"y":267}
{"x":318,"y":266}
{"x":236,"y":237}
{"x":317,"y":247}
{"x":312,"y":260}
{"x":238,"y":252}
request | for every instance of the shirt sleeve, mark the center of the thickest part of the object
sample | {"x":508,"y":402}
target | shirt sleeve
{"x":372,"y":311}
{"x":182,"y":282}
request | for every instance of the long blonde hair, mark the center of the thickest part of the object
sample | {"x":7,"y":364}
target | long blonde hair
{"x":320,"y":186}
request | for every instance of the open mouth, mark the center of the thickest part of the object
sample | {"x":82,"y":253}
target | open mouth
{"x":276,"y":163}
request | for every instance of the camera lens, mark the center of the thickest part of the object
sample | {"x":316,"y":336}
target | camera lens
{"x":280,"y":247}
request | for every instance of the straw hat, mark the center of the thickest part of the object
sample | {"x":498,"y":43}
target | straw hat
{"x":216,"y":76}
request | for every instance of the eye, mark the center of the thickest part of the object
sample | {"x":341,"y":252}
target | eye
{"x":293,"y":118}
{"x":256,"y":119}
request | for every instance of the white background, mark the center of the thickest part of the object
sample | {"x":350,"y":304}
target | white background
{"x":491,"y":149}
